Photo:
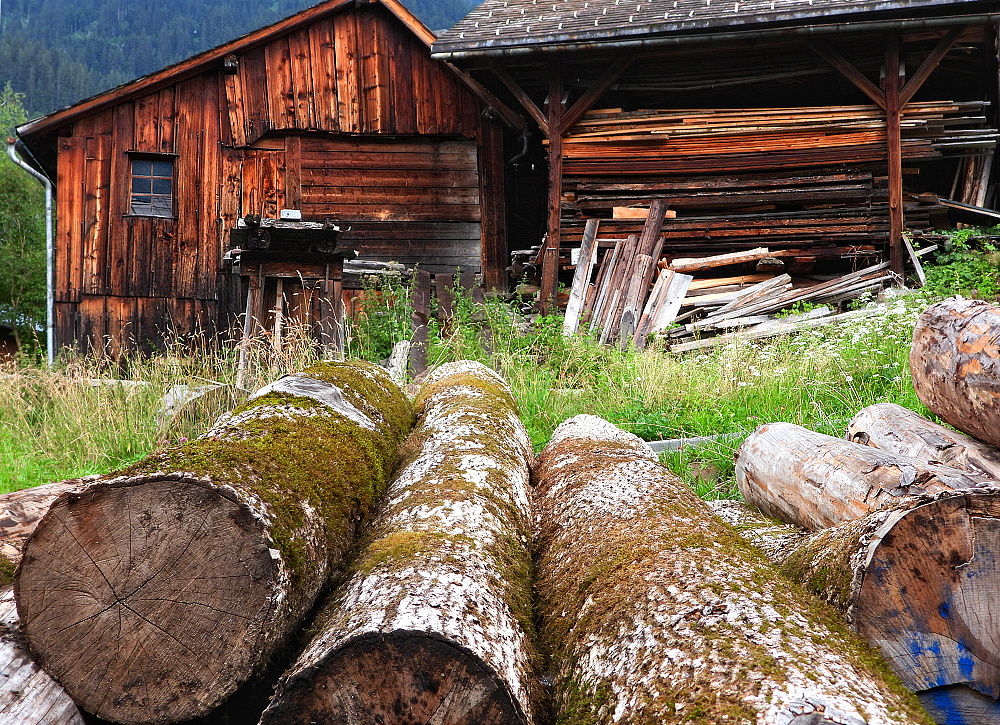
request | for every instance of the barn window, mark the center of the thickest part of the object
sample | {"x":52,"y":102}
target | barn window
{"x":152,"y":186}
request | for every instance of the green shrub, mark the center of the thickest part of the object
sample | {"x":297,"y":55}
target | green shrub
{"x":967,"y":264}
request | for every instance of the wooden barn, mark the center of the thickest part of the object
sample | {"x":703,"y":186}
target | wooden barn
{"x":822,"y":130}
{"x":260,"y":164}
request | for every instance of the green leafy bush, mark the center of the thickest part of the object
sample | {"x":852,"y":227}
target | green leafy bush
{"x":967,"y":264}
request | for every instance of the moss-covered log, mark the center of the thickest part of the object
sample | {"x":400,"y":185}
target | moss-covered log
{"x":814,"y":480}
{"x":28,"y":696}
{"x":656,"y":612}
{"x":152,"y":594}
{"x":899,"y":430}
{"x":955,"y":365}
{"x":917,"y":581}
{"x":431,"y":626}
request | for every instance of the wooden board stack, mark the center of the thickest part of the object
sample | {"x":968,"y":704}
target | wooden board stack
{"x":637,"y":293}
{"x":808,"y":182}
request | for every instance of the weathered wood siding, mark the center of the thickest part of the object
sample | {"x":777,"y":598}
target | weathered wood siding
{"x":344,"y":118}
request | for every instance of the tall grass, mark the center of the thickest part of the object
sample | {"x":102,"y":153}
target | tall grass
{"x":64,"y":422}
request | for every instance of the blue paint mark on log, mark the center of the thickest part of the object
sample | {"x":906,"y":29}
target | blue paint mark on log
{"x":944,"y":609}
{"x":966,"y":662}
{"x":945,"y":709}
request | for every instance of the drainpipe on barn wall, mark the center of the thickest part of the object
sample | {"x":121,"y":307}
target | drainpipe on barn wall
{"x":50,"y":254}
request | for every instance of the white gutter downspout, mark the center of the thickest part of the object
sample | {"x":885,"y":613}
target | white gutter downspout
{"x":50,"y":255}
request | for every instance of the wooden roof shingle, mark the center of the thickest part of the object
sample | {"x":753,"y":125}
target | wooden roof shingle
{"x":503,"y":26}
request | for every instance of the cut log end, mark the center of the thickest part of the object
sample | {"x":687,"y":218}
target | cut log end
{"x":927,"y":594}
{"x":404,"y":678}
{"x":103,"y":569}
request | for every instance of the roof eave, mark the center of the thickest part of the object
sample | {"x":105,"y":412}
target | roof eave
{"x":456,"y":51}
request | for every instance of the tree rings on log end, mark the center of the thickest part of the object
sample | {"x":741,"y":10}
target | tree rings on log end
{"x":141,"y":575}
{"x":928,"y":593}
{"x":400,"y":678}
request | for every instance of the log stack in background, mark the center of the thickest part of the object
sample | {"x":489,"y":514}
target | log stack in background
{"x":655,"y":611}
{"x":152,"y":594}
{"x":905,"y":515}
{"x":432,"y":626}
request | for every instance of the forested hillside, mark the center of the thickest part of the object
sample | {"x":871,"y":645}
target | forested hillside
{"x":59,"y":51}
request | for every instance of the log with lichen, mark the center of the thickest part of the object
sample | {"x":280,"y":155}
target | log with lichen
{"x":431,"y":627}
{"x":955,"y":365}
{"x":653,"y":610}
{"x":899,"y":430}
{"x":814,"y":480}
{"x":916,"y":580}
{"x":28,"y":696}
{"x":153,"y":593}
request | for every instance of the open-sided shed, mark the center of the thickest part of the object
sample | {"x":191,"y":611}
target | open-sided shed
{"x":820,"y":129}
{"x":337,"y":114}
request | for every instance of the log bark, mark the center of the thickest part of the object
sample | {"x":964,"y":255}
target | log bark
{"x":955,"y":365}
{"x":432,"y":625}
{"x":28,"y":696}
{"x":655,"y":611}
{"x":915,"y":580}
{"x":814,"y":480}
{"x":152,"y":594}
{"x":899,"y":430}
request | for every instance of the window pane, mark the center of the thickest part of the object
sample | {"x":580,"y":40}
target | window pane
{"x":141,"y":185}
{"x":162,"y":206}
{"x":138,"y":207}
{"x":160,"y":186}
{"x":142,"y":167}
{"x":163,"y":168}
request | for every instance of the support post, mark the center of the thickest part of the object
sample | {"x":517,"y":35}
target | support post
{"x":547,"y":302}
{"x":893,"y":117}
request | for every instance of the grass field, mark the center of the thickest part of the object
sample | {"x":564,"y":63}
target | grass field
{"x":78,"y":418}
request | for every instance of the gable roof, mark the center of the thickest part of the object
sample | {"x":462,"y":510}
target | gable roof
{"x":202,"y":61}
{"x":507,"y":27}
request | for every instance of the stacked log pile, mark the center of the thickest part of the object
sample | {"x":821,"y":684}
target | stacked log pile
{"x":153,"y":593}
{"x":656,"y":612}
{"x":433,"y":620}
{"x":905,"y":515}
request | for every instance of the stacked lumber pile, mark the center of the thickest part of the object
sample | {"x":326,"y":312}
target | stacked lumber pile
{"x":898,"y":524}
{"x":630,"y":292}
{"x":809,"y":182}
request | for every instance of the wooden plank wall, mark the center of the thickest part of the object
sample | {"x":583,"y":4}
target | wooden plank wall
{"x":352,"y":72}
{"x":273,"y":135}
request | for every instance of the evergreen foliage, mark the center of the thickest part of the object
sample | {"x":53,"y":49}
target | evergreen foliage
{"x":22,"y":234}
{"x":57,"y":52}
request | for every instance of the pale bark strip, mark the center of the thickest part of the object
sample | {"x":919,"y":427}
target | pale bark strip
{"x":152,"y":594}
{"x":917,"y":581}
{"x":899,"y":430}
{"x":431,"y":626}
{"x":955,"y":365}
{"x":814,"y":480}
{"x":655,"y":611}
{"x":28,"y":696}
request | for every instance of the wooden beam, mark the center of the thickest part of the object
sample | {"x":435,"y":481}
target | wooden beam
{"x":481,"y":92}
{"x":930,"y":63}
{"x":547,"y":302}
{"x":523,"y":98}
{"x":831,"y":56}
{"x":601,"y":86}
{"x":894,"y":148}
